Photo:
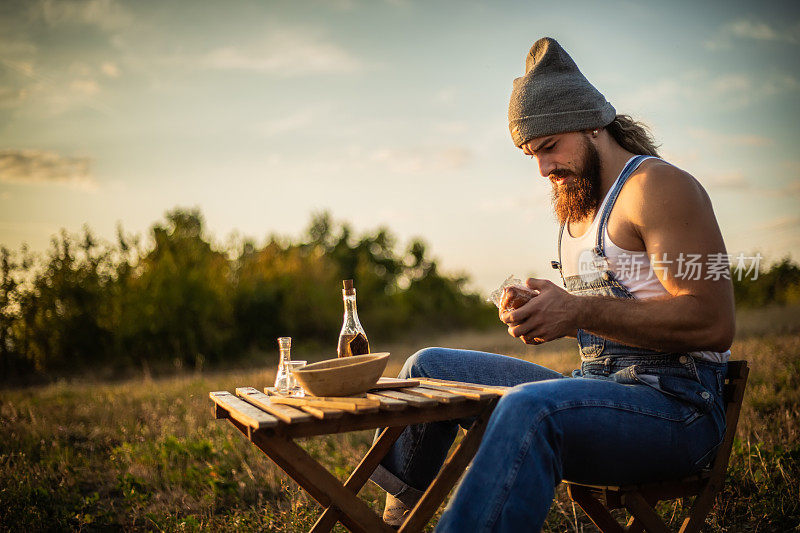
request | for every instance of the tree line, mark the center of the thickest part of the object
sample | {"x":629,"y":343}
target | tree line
{"x":777,"y":285}
{"x":180,"y":299}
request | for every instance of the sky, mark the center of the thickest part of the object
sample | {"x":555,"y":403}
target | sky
{"x":384,"y":113}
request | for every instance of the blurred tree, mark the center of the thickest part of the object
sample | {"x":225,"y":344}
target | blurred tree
{"x":8,"y":289}
{"x":779,"y":284}
{"x":176,"y":303}
{"x":64,"y":310}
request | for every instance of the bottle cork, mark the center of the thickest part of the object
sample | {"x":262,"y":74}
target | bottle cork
{"x":348,"y":286}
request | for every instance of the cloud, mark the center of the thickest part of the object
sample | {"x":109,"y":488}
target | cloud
{"x":11,"y":97}
{"x":734,"y":180}
{"x":737,"y":181}
{"x":731,"y":91}
{"x":716,"y":138}
{"x":513,"y":203}
{"x":754,"y":30}
{"x":110,"y":69}
{"x":446,"y":96}
{"x":341,"y":5}
{"x":107,"y":15}
{"x":17,"y":47}
{"x":422,"y":159}
{"x":42,"y":167}
{"x":285,"y":54}
{"x":781,"y":223}
{"x":289,"y":123}
{"x":52,"y":93}
{"x":86,"y":87}
{"x":453,"y":128}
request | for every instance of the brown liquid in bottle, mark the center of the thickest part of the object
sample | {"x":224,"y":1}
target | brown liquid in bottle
{"x":353,"y":345}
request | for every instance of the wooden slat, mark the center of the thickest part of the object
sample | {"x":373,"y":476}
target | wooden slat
{"x":323,"y":413}
{"x":442,"y":396}
{"x":394,"y":383}
{"x":471,"y":386}
{"x":388,"y":404}
{"x":262,"y":401}
{"x":433,"y":412}
{"x":412,"y":399}
{"x":472,"y":394}
{"x":358,"y":401}
{"x":245,"y":413}
{"x":354,"y":405}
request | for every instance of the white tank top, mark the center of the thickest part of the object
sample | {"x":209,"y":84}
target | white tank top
{"x":631,"y":268}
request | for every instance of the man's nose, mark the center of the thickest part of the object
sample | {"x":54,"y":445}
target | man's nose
{"x":546,"y":166}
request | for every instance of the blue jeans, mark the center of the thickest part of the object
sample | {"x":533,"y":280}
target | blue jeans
{"x":610,"y":427}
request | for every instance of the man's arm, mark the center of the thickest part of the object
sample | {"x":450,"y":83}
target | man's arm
{"x":697,"y":314}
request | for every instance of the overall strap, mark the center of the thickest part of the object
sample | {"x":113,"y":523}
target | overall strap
{"x":630,"y":167}
{"x":557,"y":264}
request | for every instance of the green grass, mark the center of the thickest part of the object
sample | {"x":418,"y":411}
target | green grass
{"x":147,"y":454}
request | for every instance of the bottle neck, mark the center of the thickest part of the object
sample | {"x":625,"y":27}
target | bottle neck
{"x":285,"y":355}
{"x":350,"y":308}
{"x":351,"y":324}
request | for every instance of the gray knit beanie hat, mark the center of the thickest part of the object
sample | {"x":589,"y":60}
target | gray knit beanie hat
{"x":554,"y":97}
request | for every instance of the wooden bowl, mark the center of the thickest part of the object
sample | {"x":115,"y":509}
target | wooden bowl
{"x":343,"y":376}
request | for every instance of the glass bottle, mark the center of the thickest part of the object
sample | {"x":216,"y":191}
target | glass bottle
{"x":352,"y":338}
{"x":283,"y":375}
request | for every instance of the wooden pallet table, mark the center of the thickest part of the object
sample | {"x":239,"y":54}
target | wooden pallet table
{"x":272,"y":422}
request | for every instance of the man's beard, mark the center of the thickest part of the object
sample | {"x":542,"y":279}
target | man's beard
{"x":579,"y":197}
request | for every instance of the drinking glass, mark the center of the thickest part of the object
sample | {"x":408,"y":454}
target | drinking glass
{"x":294,"y":389}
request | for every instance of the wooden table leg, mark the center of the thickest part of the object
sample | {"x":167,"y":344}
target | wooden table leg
{"x":360,"y":475}
{"x":319,"y":483}
{"x":451,"y":470}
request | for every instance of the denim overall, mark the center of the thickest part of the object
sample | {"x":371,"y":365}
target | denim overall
{"x":677,"y":374}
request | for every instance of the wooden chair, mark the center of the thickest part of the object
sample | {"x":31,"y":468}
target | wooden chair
{"x":640,"y":500}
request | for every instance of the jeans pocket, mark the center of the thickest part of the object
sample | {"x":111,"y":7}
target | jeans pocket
{"x":631,"y":375}
{"x":693,"y":394}
{"x":688,"y":390}
{"x":591,"y":345}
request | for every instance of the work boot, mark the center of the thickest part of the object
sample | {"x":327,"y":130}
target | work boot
{"x":395,"y":512}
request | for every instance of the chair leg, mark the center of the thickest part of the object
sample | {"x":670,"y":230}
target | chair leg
{"x":596,"y":511}
{"x":634,"y":525}
{"x":642,"y":511}
{"x":697,"y":515}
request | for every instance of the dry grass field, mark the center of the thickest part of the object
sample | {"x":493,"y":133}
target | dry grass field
{"x":146,"y":454}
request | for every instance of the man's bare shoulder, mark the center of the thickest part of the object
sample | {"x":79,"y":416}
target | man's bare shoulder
{"x":658,"y":188}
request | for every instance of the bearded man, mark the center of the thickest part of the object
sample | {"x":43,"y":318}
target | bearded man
{"x":646,"y":403}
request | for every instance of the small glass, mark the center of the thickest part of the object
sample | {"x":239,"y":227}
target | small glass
{"x":293,"y":388}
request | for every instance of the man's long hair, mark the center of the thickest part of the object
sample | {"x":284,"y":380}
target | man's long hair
{"x":633,"y":136}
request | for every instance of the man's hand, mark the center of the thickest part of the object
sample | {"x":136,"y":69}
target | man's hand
{"x":550,"y":315}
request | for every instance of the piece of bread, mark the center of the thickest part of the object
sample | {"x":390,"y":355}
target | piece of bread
{"x":515,"y":297}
